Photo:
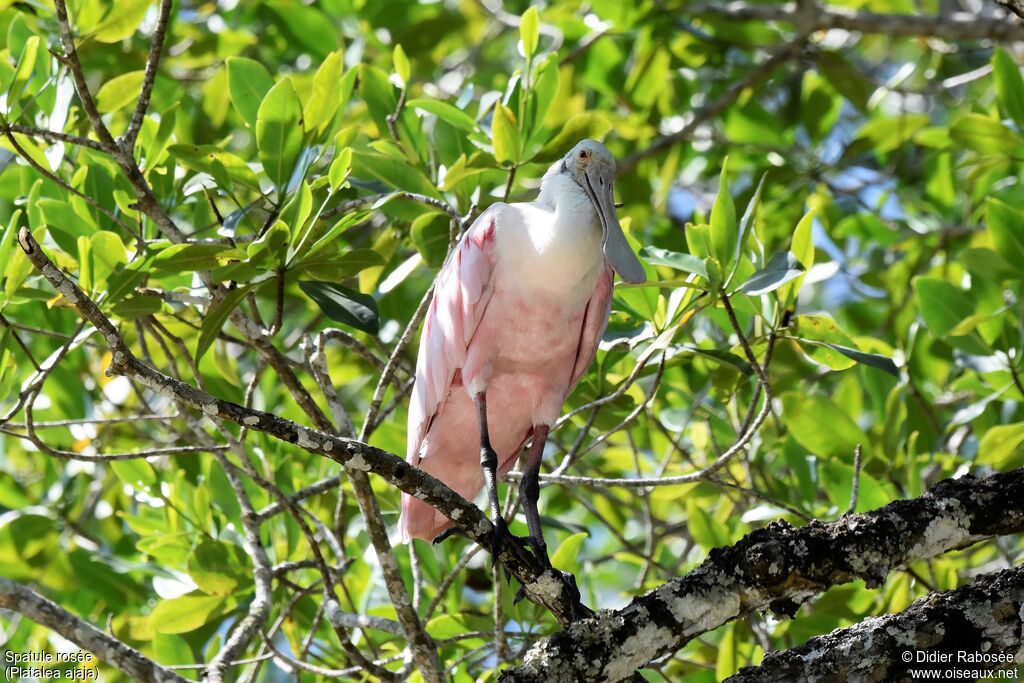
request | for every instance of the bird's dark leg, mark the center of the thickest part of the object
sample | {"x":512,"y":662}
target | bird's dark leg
{"x":489,"y":464}
{"x":529,"y":492}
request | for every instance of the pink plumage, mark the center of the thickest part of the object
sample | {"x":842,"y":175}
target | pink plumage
{"x":523,"y":331}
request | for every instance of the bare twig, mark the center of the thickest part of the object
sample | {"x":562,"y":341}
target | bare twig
{"x":952,"y":26}
{"x":855,"y":488}
{"x":134,"y":665}
{"x":149,"y":78}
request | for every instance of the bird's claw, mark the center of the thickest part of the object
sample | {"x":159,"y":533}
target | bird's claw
{"x":499,"y":538}
{"x":448,"y":533}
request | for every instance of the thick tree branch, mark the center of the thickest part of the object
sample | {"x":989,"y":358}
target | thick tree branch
{"x":1015,"y":6}
{"x":20,"y":599}
{"x":982,"y":617}
{"x":541,"y":585}
{"x":777,"y":567}
{"x":952,"y":26}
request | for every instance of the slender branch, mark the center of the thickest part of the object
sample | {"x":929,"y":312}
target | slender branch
{"x":951,"y":26}
{"x":855,"y":487}
{"x":393,"y":362}
{"x":643,"y":482}
{"x":755,"y":77}
{"x":53,"y":136}
{"x":778,"y":568}
{"x":149,"y":78}
{"x":979,"y":618}
{"x":134,"y":665}
{"x":74,"y":64}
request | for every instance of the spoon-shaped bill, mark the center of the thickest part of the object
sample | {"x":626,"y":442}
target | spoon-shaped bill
{"x":598,"y":180}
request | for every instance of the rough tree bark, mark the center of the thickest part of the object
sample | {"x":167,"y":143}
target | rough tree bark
{"x":981,"y":618}
{"x":777,"y":568}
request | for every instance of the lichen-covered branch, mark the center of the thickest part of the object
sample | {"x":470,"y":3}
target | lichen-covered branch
{"x":980,"y":618}
{"x":541,"y":585}
{"x":136,"y":666}
{"x":778,"y":568}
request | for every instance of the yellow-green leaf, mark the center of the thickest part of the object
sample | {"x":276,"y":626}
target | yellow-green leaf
{"x":402,"y":68}
{"x":505,"y":135}
{"x":529,"y":29}
{"x":119,"y":92}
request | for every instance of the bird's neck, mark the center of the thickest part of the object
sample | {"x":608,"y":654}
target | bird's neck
{"x":558,"y":190}
{"x":574,"y":229}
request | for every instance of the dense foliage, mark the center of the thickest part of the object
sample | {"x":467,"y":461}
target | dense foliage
{"x":837,"y":211}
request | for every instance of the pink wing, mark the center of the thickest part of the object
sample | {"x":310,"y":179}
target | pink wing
{"x":595,"y":322}
{"x":460,"y":298}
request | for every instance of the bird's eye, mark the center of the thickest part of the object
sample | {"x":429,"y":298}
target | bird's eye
{"x":584,"y":154}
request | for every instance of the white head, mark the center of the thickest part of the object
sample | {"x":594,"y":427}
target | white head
{"x":592,"y":167}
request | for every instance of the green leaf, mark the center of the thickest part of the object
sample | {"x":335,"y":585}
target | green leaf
{"x":215,"y":161}
{"x":327,"y":93}
{"x":873,"y":360}
{"x":326,"y":265}
{"x":803,"y":248}
{"x":983,"y":134}
{"x":1000,"y":447}
{"x":218,"y":568}
{"x":817,"y":336}
{"x":121,"y":21}
{"x":942,"y":304}
{"x":397,"y":173}
{"x":23,"y":73}
{"x":504,"y":135}
{"x":888,"y":133}
{"x":7,"y":241}
{"x":184,"y":614}
{"x":703,"y":528}
{"x":401,"y":62}
{"x":1009,"y":85}
{"x":723,"y":222}
{"x":848,"y":80}
{"x":173,"y":650}
{"x":747,"y":221}
{"x":344,"y":305}
{"x":445,"y":112}
{"x":1006,"y":224}
{"x":688,"y":263}
{"x":119,"y":91}
{"x":430,"y":234}
{"x":137,"y":473}
{"x":529,"y":31}
{"x":822,"y":427}
{"x":782,"y":268}
{"x":340,"y":168}
{"x":215,"y":318}
{"x":138,"y":306}
{"x":184,"y":258}
{"x":248,"y":83}
{"x":279,"y":132}
{"x":566,"y":557}
{"x":108,"y":252}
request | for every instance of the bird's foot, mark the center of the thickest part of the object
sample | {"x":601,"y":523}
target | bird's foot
{"x":448,"y":533}
{"x":499,"y":538}
{"x":540,"y":550}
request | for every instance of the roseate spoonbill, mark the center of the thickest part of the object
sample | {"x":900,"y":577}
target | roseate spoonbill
{"x":517,"y":314}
